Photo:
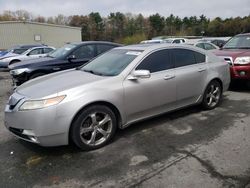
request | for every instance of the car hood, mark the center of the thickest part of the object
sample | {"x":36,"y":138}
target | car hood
{"x":58,"y":82}
{"x":7,"y":55}
{"x":232,"y":52}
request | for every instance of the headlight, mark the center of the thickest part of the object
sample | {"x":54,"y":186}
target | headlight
{"x":43,"y":103}
{"x":242,"y":60}
{"x":18,"y":71}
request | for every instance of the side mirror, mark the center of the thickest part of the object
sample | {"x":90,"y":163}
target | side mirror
{"x":71,"y":57}
{"x":139,"y":74}
{"x":220,"y":45}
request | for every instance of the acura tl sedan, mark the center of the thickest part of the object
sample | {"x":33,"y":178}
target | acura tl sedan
{"x":86,"y":106}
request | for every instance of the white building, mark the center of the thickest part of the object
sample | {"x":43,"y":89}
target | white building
{"x":22,"y":32}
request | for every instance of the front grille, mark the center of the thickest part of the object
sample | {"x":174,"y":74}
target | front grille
{"x":19,"y":132}
{"x":229,"y":60}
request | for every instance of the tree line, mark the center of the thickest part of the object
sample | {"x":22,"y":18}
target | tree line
{"x":131,"y":28}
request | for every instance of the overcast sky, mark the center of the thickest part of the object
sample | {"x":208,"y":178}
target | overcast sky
{"x":182,"y":8}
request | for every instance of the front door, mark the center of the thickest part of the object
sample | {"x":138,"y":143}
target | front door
{"x":151,"y":96}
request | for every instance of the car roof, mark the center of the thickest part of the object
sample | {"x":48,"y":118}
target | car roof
{"x":155,"y":46}
{"x":29,"y":45}
{"x":243,"y":34}
{"x":95,"y":42}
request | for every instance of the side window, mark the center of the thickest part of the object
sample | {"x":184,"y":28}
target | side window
{"x":200,"y":58}
{"x":209,"y":46}
{"x":157,"y":61}
{"x":183,"y":57}
{"x":101,"y":48}
{"x":200,"y":45}
{"x":47,"y":50}
{"x":36,"y":51}
{"x":86,"y":51}
{"x":177,"y":41}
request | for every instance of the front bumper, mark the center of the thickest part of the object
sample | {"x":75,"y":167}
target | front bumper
{"x":240,"y":72}
{"x":42,"y":126}
{"x":17,"y":80}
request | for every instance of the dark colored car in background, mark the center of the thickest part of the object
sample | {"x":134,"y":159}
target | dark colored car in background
{"x":236,"y":52}
{"x":67,"y":57}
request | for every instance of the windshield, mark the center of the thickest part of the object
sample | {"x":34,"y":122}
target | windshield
{"x":60,"y":52}
{"x":111,"y":63}
{"x":238,"y":42}
{"x":19,"y":50}
{"x":168,"y":40}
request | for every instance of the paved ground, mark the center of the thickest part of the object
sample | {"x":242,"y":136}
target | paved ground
{"x":187,"y":148}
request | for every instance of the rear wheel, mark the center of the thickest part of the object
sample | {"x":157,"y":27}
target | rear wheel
{"x":94,"y":127}
{"x":212,"y":95}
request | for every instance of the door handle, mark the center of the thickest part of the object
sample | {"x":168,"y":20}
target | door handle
{"x":168,"y":77}
{"x":201,"y":69}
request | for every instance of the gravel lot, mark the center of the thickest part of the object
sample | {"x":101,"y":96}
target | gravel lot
{"x":186,"y":148}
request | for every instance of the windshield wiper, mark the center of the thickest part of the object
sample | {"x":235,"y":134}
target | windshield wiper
{"x":93,"y":72}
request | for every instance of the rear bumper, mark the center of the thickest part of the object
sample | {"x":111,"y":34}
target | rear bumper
{"x":240,"y":72}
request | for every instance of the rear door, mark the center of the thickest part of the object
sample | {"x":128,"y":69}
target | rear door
{"x":150,"y":96}
{"x":190,"y":72}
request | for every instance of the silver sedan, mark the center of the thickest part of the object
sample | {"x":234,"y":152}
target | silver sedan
{"x":125,"y":85}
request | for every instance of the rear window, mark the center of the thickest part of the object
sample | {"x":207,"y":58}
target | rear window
{"x":200,"y":58}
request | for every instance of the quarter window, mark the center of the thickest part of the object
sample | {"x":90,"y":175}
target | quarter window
{"x":157,"y":61}
{"x":200,"y":58}
{"x":183,"y":57}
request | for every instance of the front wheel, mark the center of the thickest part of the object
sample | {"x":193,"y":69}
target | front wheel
{"x":212,"y":95}
{"x":94,"y":127}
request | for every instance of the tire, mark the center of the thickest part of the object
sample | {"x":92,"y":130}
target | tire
{"x":35,"y":75}
{"x":212,"y":95}
{"x":93,"y":127}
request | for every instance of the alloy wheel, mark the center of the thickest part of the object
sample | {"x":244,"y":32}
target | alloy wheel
{"x":213,"y":95}
{"x":96,"y":128}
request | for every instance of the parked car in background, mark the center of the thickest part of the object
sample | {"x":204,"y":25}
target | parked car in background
{"x":67,"y":57}
{"x":175,"y":40}
{"x":120,"y":87}
{"x":151,"y":41}
{"x":17,"y":50}
{"x":206,"y":45}
{"x":218,"y":42}
{"x":168,"y":40}
{"x":236,"y":52}
{"x":29,"y":54}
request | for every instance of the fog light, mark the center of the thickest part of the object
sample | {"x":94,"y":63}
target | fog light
{"x":33,"y":139}
{"x":242,"y":73}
